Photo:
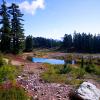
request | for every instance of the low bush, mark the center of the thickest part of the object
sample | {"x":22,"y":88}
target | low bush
{"x":68,"y":74}
{"x":90,"y":68}
{"x":97,"y":70}
{"x":63,"y":74}
{"x":66,"y":69}
{"x":55,"y":78}
{"x":7,"y":72}
{"x":78,"y":73}
{"x":13,"y":93}
{"x":52,"y":74}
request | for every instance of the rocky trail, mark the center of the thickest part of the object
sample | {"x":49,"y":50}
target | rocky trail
{"x":31,"y":81}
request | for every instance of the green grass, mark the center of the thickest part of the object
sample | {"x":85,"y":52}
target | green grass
{"x":52,"y":74}
{"x":97,"y":70}
{"x":67,"y":74}
{"x":9,"y":72}
{"x":53,"y":78}
{"x":13,"y":93}
{"x":62,"y":74}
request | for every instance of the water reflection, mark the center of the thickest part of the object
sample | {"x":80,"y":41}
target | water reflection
{"x":69,"y":62}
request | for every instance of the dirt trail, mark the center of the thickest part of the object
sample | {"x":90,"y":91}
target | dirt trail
{"x":38,"y":88}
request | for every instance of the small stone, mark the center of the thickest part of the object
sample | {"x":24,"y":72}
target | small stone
{"x":35,"y":97}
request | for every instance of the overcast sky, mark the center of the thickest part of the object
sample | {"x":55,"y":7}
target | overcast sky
{"x":54,"y":18}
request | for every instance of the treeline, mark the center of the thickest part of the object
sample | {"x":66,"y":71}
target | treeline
{"x":40,"y":42}
{"x":11,"y":29}
{"x":81,"y":42}
{"x":45,"y":43}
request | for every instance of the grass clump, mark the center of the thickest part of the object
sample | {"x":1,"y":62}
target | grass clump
{"x":77,"y":73}
{"x":97,"y":70}
{"x":13,"y":93}
{"x":73,"y":81}
{"x":89,"y":66}
{"x":65,"y":69}
{"x":7,"y":72}
{"x":63,"y":74}
{"x":52,"y":74}
{"x":55,"y":78}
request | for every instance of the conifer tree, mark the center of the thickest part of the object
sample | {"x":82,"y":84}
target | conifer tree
{"x":29,"y":43}
{"x":16,"y":29}
{"x":5,"y":28}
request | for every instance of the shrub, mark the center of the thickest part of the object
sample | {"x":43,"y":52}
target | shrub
{"x":59,"y":73}
{"x":65,"y":69}
{"x":53,"y":74}
{"x":97,"y":70}
{"x":55,"y":78}
{"x":7,"y":72}
{"x":13,"y":93}
{"x":90,"y":68}
{"x":78,"y":73}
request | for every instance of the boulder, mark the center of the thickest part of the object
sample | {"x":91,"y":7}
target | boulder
{"x":88,"y":91}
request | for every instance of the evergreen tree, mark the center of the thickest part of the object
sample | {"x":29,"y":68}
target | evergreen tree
{"x":67,"y":42}
{"x":5,"y":28}
{"x":16,"y":29}
{"x":29,"y":43}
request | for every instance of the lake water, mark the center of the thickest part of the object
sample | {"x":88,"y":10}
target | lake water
{"x":45,"y":60}
{"x":50,"y":61}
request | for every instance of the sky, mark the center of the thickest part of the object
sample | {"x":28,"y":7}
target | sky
{"x":54,"y":18}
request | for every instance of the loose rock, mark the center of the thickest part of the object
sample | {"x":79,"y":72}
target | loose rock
{"x":88,"y":91}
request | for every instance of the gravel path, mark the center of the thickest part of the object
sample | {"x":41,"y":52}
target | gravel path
{"x":38,"y":88}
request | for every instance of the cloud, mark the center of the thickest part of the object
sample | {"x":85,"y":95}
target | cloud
{"x":33,"y":6}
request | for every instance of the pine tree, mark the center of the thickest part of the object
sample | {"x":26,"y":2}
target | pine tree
{"x":16,"y":29}
{"x":5,"y":28}
{"x":67,"y":42}
{"x":29,"y":43}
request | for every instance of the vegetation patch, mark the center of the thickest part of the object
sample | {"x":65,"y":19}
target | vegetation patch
{"x":9,"y":89}
{"x":62,"y":74}
{"x":69,"y":74}
{"x":13,"y":93}
{"x":52,"y":74}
